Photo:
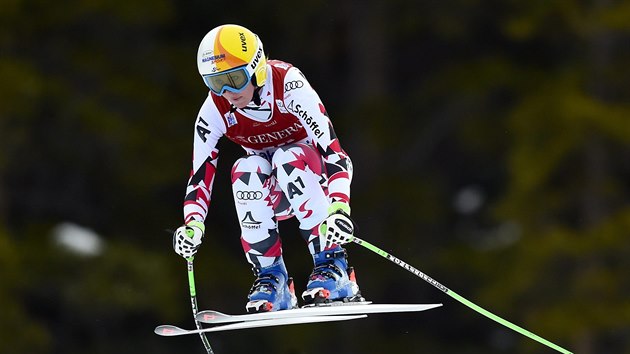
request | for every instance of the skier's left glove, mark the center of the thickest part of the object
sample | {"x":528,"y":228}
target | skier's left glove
{"x":338,"y":228}
{"x":187,"y":238}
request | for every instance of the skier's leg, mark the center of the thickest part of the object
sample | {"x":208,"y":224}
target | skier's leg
{"x":301,"y":176}
{"x":252,"y":187}
{"x":299,"y":172}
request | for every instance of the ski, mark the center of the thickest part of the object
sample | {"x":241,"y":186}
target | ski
{"x":170,"y":330}
{"x":332,"y":309}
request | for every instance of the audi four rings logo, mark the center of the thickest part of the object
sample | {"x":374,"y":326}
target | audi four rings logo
{"x":249,"y":195}
{"x":292,"y":85}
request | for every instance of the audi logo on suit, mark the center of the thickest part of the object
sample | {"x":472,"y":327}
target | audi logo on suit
{"x":249,"y":195}
{"x":292,"y":85}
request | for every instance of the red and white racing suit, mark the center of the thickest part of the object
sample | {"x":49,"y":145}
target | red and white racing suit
{"x":294,"y":165}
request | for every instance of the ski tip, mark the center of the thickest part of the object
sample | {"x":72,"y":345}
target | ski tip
{"x":425,"y":307}
{"x":210,"y":316}
{"x":169,"y":331}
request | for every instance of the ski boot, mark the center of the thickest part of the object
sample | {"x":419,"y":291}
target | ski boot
{"x":331,"y":280}
{"x":272,"y":290}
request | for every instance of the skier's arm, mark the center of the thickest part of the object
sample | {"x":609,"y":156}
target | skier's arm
{"x":301,"y":100}
{"x":209,"y":128}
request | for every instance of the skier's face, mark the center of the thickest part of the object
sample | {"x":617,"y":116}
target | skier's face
{"x":241,"y":99}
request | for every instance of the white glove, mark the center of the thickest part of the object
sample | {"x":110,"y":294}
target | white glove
{"x":187,"y":238}
{"x":338,"y":228}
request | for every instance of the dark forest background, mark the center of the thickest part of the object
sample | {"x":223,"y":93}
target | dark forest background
{"x":491,"y":145}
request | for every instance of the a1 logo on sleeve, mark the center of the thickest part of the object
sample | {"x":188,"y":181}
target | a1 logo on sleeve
{"x":202,"y":129}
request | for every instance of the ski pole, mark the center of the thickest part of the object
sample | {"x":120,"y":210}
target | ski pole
{"x":451,"y":293}
{"x":193,"y":301}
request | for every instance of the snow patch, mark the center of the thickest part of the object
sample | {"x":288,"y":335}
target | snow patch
{"x":78,"y":239}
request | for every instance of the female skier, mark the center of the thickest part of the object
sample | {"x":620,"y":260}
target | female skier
{"x":294,"y":166}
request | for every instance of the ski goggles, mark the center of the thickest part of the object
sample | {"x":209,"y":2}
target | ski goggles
{"x":234,"y":80}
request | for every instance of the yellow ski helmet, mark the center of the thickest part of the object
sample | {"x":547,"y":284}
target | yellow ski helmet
{"x":229,"y":57}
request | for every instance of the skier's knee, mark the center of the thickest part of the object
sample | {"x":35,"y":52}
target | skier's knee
{"x":304,"y":155}
{"x":251,"y":163}
{"x":284,"y":153}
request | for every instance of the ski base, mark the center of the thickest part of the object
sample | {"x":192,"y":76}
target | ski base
{"x":170,"y":331}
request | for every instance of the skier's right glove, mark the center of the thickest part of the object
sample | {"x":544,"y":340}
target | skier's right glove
{"x":187,"y":238}
{"x":338,"y":228}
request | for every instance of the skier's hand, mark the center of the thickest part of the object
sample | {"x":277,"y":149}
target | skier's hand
{"x":338,"y":228}
{"x":188,"y":238}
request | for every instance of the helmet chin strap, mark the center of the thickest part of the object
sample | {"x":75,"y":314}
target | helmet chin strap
{"x":254,"y":80}
{"x":256,"y":96}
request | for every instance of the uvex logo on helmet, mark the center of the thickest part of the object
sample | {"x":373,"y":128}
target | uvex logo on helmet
{"x":243,"y":41}
{"x":256,"y":59}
